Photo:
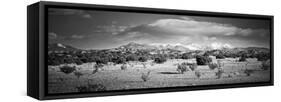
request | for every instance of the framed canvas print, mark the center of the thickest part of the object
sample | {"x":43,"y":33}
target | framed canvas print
{"x":82,"y":50}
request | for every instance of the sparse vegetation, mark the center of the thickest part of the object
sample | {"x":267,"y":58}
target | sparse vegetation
{"x":91,"y":88}
{"x":164,"y":64}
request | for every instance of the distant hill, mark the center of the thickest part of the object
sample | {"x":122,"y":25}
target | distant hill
{"x":132,"y":46}
{"x":137,"y":46}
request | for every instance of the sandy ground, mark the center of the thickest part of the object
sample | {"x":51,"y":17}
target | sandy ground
{"x":162,"y":75}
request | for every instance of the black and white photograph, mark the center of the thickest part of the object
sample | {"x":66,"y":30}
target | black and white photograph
{"x":101,"y":50}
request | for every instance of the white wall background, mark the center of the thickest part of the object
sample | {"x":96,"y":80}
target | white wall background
{"x":13,"y":51}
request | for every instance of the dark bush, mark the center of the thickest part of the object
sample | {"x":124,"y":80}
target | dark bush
{"x":160,"y":60}
{"x":142,"y":59}
{"x":262,"y":56}
{"x":182,"y":68}
{"x":203,"y":60}
{"x":78,"y":62}
{"x":53,"y":62}
{"x":69,"y":61}
{"x":242,"y":59}
{"x":186,"y":56}
{"x":220,"y":56}
{"x":84,"y":60}
{"x":118,"y":60}
{"x":132,"y":58}
{"x":67,"y":69}
{"x":102,"y":60}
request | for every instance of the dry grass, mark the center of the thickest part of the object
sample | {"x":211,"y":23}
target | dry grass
{"x":164,"y":75}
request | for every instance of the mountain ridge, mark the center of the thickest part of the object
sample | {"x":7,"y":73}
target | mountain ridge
{"x":132,"y":46}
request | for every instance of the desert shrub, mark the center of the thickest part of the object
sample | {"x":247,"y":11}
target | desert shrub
{"x":144,"y":65}
{"x":193,"y":66}
{"x":84,"y":60}
{"x":142,"y":59}
{"x":265,"y":65}
{"x":119,"y":60}
{"x":67,"y":69}
{"x":132,"y":58}
{"x":69,"y":61}
{"x":160,"y":60}
{"x":53,"y":62}
{"x":186,"y":56}
{"x":213,"y":66}
{"x":220,"y":56}
{"x":219,"y":73}
{"x":248,"y":72}
{"x":263,"y":56}
{"x":145,"y":76}
{"x":91,"y":88}
{"x":78,"y":62}
{"x":182,"y":68}
{"x":102,"y":60}
{"x":203,"y":60}
{"x":197,"y":73}
{"x":186,"y":63}
{"x":242,"y":59}
{"x":97,"y":67}
{"x":78,"y":74}
{"x":124,"y":67}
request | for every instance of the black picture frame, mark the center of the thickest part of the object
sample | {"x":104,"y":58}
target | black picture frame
{"x":37,"y":49}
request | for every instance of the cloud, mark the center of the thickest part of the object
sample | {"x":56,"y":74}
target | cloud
{"x":112,"y":29}
{"x":189,"y":26}
{"x":52,"y":35}
{"x":187,"y":30}
{"x":68,"y":12}
{"x":77,"y":36}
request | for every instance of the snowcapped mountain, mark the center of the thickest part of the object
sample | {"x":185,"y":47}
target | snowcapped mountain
{"x":167,"y":47}
{"x":61,"y":47}
{"x":194,"y":46}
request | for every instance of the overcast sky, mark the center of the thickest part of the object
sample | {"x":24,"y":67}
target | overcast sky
{"x":88,"y":29}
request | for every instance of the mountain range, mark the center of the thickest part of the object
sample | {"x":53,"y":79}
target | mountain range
{"x":177,"y":47}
